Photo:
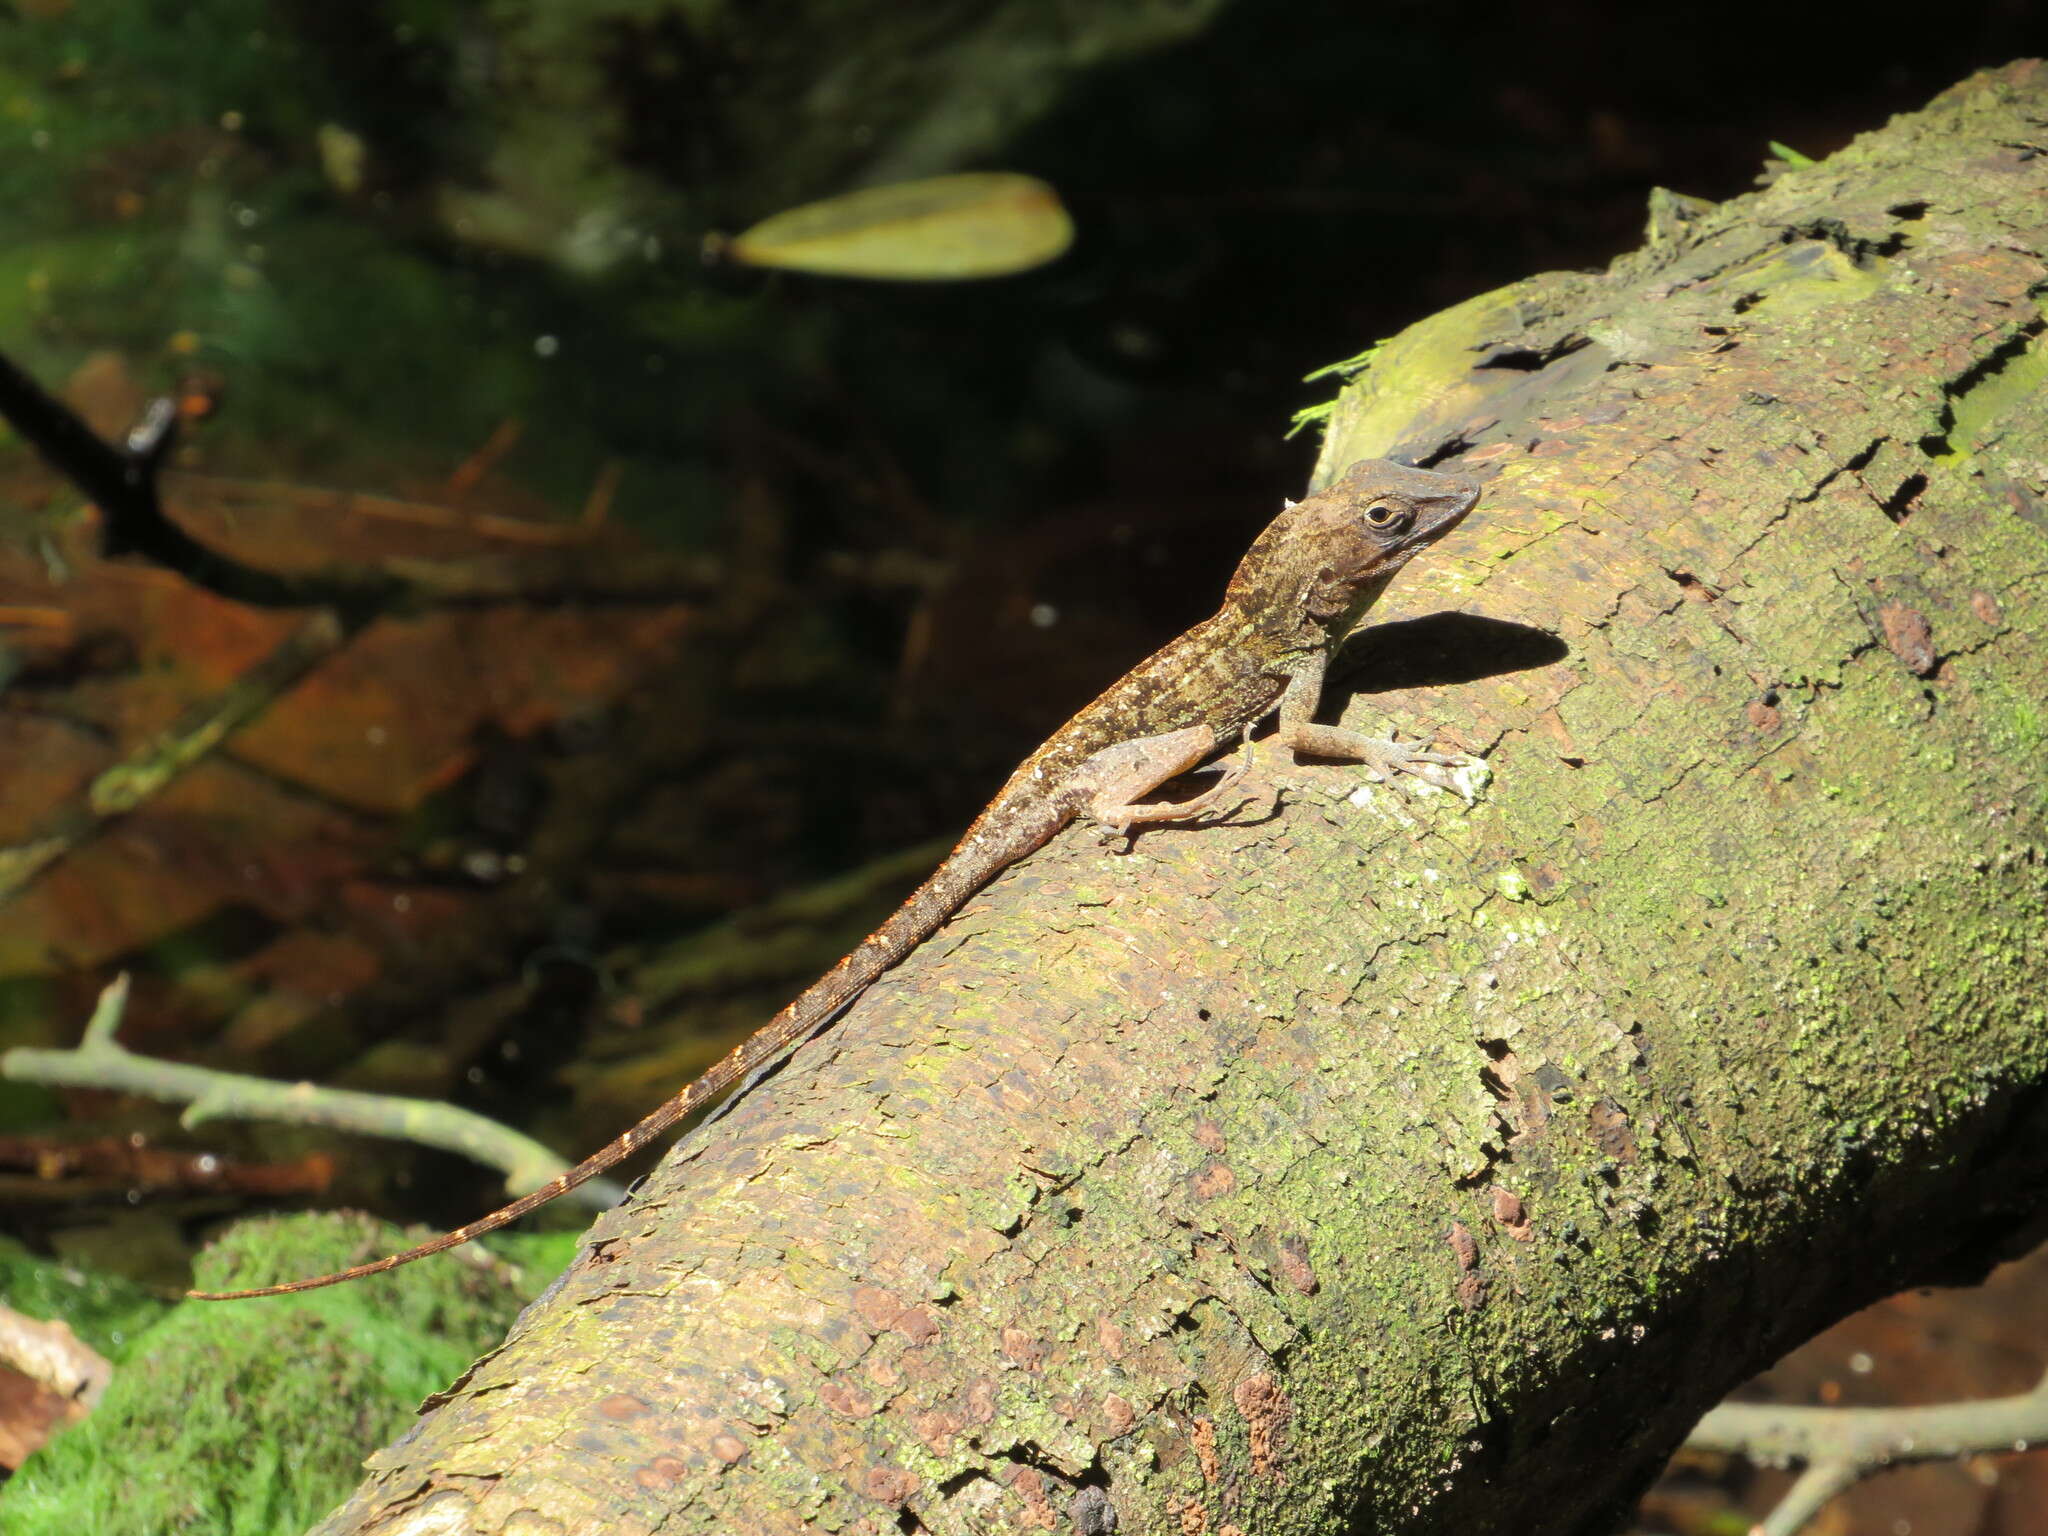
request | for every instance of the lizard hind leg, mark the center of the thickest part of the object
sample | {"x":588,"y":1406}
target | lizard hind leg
{"x":1112,"y":783}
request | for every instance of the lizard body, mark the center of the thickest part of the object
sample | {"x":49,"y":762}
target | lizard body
{"x":1302,"y":587}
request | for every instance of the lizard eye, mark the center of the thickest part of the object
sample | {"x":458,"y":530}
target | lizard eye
{"x":1386,"y":515}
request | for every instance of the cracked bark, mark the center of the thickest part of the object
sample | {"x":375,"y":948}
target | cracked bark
{"x":1380,"y":1162}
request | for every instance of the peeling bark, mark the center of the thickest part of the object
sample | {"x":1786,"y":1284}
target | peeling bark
{"x":1382,"y":1162}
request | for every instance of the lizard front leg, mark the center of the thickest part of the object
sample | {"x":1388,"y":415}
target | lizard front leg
{"x":1110,"y":784}
{"x":1384,"y":756}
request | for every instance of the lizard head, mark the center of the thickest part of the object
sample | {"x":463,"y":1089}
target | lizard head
{"x":1330,"y":556}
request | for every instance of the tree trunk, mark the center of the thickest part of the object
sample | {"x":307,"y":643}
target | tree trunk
{"x":1387,"y":1162}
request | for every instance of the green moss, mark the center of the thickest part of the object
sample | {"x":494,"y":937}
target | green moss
{"x":248,"y":1418}
{"x":2017,"y":380}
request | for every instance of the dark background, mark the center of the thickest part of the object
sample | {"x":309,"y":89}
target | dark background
{"x":938,"y":517}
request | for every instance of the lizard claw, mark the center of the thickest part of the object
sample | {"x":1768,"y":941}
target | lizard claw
{"x":1387,"y":759}
{"x":1232,"y":775}
{"x":1115,"y":832}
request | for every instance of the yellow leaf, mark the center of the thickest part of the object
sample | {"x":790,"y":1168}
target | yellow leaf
{"x":941,"y":229}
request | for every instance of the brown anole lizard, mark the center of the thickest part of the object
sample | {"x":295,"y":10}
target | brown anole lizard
{"x":1301,"y":588}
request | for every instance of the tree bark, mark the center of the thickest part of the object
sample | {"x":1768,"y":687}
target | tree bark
{"x":1386,"y":1162}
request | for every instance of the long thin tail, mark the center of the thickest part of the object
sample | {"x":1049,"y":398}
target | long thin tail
{"x":963,"y":873}
{"x":713,"y":1082}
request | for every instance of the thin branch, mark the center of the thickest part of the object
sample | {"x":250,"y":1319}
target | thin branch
{"x":1809,"y":1492}
{"x":161,"y":760}
{"x":122,"y":482}
{"x":1840,"y":1446}
{"x":99,"y":1061}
